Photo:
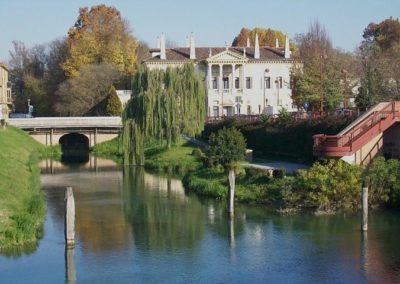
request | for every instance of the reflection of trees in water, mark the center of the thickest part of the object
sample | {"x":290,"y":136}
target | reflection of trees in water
{"x":16,"y":251}
{"x":100,"y":224}
{"x":161,"y":216}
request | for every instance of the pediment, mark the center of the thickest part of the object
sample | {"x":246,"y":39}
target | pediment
{"x":226,"y":55}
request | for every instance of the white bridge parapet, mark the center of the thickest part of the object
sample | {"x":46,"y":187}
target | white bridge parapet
{"x":66,"y":122}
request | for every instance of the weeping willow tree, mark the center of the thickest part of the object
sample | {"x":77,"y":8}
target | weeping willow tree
{"x":165,"y":105}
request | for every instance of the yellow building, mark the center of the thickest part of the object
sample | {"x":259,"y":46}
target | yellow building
{"x":5,"y":92}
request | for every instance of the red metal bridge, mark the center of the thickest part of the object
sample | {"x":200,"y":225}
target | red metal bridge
{"x":362,"y":138}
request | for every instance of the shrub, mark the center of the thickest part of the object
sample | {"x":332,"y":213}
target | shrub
{"x":330,"y":185}
{"x":278,"y":173}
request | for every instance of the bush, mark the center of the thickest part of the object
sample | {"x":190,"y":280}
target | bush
{"x":329,"y":185}
{"x":279,"y":173}
{"x":383,"y":179}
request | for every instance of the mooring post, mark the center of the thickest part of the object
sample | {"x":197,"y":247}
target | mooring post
{"x":364,"y":218}
{"x":69,"y":218}
{"x":231,"y":201}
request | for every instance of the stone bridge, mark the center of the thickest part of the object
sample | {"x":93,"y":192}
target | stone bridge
{"x":60,"y":130}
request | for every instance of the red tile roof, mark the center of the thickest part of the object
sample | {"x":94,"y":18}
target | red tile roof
{"x":202,"y":53}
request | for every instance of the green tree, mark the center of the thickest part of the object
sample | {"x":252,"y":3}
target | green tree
{"x":165,"y":105}
{"x":329,"y":186}
{"x":227,"y":147}
{"x":113,"y":103}
{"x":321,"y":77}
{"x":100,"y":35}
{"x":383,"y":179}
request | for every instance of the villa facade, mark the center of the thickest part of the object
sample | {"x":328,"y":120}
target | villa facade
{"x":5,"y":92}
{"x":239,"y":80}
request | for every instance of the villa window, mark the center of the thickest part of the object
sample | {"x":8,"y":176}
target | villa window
{"x":248,"y":109}
{"x":279,"y":82}
{"x":225,"y":80}
{"x":214,"y":83}
{"x":248,"y":82}
{"x":237,"y":85}
{"x":267,"y":83}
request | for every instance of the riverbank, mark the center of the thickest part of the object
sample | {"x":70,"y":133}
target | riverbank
{"x":177,"y":160}
{"x":22,"y":206}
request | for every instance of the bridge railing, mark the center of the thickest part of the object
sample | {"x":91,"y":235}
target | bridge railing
{"x":346,"y":141}
{"x":62,"y":122}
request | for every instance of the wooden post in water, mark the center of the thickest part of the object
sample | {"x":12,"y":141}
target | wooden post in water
{"x":364,"y":218}
{"x":231,"y":179}
{"x":69,"y":218}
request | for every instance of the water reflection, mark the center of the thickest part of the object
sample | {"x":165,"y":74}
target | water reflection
{"x":134,"y":225}
{"x":162,"y":217}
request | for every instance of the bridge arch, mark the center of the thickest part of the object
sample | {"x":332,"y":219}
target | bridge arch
{"x":75,"y":147}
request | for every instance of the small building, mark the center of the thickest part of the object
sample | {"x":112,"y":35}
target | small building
{"x":5,"y":92}
{"x":124,"y":96}
{"x":239,"y":80}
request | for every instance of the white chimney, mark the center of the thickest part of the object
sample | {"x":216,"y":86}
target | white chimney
{"x":248,"y":42}
{"x":287,"y":49}
{"x":162,"y":47}
{"x":192,"y":48}
{"x":257,"y":49}
{"x":276,"y":43}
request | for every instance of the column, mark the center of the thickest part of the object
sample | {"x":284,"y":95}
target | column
{"x":221,"y":88}
{"x":233,"y":76}
{"x":220,"y":82}
{"x":210,"y":86}
{"x":242,"y":78}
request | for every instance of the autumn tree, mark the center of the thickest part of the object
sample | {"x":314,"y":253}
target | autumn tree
{"x":380,"y":57}
{"x":80,"y":96}
{"x":100,"y":35}
{"x":266,"y":37}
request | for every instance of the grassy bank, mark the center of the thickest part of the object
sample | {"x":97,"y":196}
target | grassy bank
{"x":252,"y":186}
{"x":175,"y":160}
{"x":22,"y":206}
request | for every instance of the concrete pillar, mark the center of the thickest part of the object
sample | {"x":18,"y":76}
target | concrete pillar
{"x":364,"y":218}
{"x":69,"y":218}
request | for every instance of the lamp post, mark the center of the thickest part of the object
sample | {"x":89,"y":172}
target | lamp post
{"x":265,"y":82}
{"x":321,"y":106}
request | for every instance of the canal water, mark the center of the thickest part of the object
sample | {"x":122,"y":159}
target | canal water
{"x":137,"y":227}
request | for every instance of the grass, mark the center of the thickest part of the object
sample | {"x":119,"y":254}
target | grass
{"x":176,"y":160}
{"x":252,"y":185}
{"x":108,"y":150}
{"x":22,"y":206}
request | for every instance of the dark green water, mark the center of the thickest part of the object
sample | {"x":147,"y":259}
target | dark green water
{"x":135,"y":227}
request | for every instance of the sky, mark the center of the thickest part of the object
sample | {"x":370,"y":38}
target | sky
{"x":213,"y":22}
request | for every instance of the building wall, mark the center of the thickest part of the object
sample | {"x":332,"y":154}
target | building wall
{"x":226,"y":99}
{"x":5,"y":93}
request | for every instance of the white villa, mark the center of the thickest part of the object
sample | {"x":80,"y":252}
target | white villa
{"x":5,"y":93}
{"x":240,"y":80}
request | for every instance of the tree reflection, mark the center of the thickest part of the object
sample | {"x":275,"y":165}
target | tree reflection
{"x":162,"y":216}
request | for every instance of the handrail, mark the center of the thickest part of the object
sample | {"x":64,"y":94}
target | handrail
{"x":371,"y":121}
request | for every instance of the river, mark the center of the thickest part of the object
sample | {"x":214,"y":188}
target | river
{"x":137,"y":227}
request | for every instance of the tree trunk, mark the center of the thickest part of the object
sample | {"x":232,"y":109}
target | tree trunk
{"x":231,"y":179}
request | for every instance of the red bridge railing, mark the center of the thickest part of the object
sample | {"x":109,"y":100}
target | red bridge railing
{"x":351,"y":141}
